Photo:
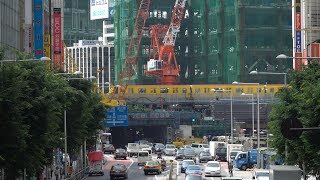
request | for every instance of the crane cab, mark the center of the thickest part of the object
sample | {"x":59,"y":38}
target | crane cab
{"x":154,"y":65}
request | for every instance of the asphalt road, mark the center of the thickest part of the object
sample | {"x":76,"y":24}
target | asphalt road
{"x":135,"y":172}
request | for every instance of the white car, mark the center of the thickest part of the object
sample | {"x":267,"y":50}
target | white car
{"x":170,"y":150}
{"x":212,"y":168}
{"x":260,"y":174}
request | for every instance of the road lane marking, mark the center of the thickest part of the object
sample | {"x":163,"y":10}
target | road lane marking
{"x":131,"y":163}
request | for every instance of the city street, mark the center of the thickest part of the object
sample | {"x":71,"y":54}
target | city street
{"x":135,"y":172}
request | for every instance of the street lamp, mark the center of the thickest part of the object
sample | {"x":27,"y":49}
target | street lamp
{"x":258,"y":109}
{"x":244,"y":94}
{"x":231,"y":109}
{"x":271,"y":73}
{"x":65,"y":130}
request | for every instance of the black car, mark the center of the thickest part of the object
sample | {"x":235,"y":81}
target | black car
{"x":120,"y":154}
{"x":158,"y":148}
{"x":205,"y":156}
{"x":185,"y":164}
{"x":179,"y":154}
{"x":118,"y":170}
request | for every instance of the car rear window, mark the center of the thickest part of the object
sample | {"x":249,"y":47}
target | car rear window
{"x":121,"y":150}
{"x":143,"y":154}
{"x":119,"y":167}
{"x":152,"y":163}
{"x":189,"y":177}
{"x":187,"y":162}
{"x":213,"y":165}
{"x":194,"y":167}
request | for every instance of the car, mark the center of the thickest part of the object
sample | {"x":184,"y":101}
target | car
{"x":152,"y":167}
{"x":179,"y":154}
{"x":199,"y":147}
{"x":205,"y":156}
{"x":189,"y":154}
{"x":187,"y":147}
{"x":193,"y":177}
{"x":158,"y":148}
{"x":118,"y":170}
{"x":260,"y":174}
{"x":185,"y":164}
{"x":212,"y":168}
{"x":193,"y":169}
{"x":170,"y":150}
{"x":120,"y":154}
{"x":108,"y":148}
{"x":231,"y":178}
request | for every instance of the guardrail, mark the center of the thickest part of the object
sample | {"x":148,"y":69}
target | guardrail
{"x":80,"y":175}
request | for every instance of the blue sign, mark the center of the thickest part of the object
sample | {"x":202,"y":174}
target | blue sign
{"x":38,"y":29}
{"x":298,"y":41}
{"x":117,"y":116}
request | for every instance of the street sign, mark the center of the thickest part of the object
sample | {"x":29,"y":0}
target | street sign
{"x":116,"y":116}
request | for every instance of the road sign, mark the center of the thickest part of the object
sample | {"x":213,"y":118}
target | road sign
{"x":117,"y":116}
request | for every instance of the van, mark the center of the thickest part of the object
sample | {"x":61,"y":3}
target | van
{"x":143,"y":157}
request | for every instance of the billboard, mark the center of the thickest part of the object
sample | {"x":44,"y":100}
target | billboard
{"x":99,"y":9}
{"x":57,"y":39}
{"x":38,"y":28}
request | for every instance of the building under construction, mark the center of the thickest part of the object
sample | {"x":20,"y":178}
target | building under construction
{"x":220,"y":41}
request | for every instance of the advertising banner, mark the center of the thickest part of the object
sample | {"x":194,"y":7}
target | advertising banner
{"x":46,"y":42}
{"x":99,"y":9}
{"x":298,"y":61}
{"x":298,"y":25}
{"x":38,"y":28}
{"x":57,"y":39}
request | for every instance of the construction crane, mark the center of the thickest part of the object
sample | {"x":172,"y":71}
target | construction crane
{"x":163,"y":65}
{"x":116,"y":97}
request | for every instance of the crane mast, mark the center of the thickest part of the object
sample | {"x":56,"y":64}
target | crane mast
{"x":164,"y":65}
{"x":131,"y":55}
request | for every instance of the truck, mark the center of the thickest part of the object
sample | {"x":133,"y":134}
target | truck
{"x":95,"y":163}
{"x":133,"y":149}
{"x":233,"y":150}
{"x":218,"y":150}
{"x":283,"y":172}
{"x":245,"y":160}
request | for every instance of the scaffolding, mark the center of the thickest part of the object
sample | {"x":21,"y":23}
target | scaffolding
{"x":220,"y":41}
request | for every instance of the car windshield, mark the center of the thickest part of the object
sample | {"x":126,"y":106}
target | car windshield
{"x":193,"y":177}
{"x":152,"y":163}
{"x":184,"y":163}
{"x":189,"y":151}
{"x":143,"y":153}
{"x":108,"y":145}
{"x":259,"y":174}
{"x":213,"y":165}
{"x":194,"y":167}
{"x":159,"y":145}
{"x":205,"y":146}
{"x":119,"y":167}
{"x":121,"y":150}
{"x":180,"y":151}
{"x":205,"y":154}
{"x":171,"y":146}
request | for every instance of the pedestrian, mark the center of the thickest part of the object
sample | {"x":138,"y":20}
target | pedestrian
{"x":230,"y":167}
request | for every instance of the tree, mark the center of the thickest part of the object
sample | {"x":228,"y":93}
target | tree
{"x":300,"y":100}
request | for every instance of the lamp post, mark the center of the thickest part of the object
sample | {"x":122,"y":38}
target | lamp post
{"x":271,"y":73}
{"x":65,"y":125}
{"x":244,"y":94}
{"x":231,"y":110}
{"x":258,"y":109}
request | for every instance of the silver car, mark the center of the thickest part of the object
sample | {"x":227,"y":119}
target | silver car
{"x":170,"y":150}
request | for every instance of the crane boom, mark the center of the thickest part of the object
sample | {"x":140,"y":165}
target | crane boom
{"x":132,"y":53}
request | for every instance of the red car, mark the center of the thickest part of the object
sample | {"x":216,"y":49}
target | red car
{"x":120,"y":154}
{"x":108,"y":148}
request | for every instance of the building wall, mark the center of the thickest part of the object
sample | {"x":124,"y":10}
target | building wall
{"x":219,"y":42}
{"x":11,"y":24}
{"x":77,"y":23}
{"x":92,"y":60}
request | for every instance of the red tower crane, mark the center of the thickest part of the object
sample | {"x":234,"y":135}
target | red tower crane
{"x":163,"y":64}
{"x":131,"y":56}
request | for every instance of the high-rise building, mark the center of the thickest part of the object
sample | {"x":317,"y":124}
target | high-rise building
{"x":77,"y":23}
{"x":12,"y":25}
{"x":220,"y":41}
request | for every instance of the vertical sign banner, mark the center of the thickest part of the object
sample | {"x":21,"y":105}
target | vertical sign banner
{"x":57,"y":39}
{"x":38,"y":28}
{"x":298,"y":44}
{"x":46,"y":42}
{"x":99,"y":9}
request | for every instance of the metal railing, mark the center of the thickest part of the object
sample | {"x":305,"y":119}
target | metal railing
{"x":79,"y":175}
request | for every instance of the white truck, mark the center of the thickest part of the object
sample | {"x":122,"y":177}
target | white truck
{"x":232,"y":151}
{"x":218,"y":150}
{"x":282,"y":172}
{"x":133,"y":149}
{"x":96,"y":163}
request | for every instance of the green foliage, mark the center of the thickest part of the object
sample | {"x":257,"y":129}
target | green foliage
{"x":301,"y":100}
{"x":32,"y":104}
